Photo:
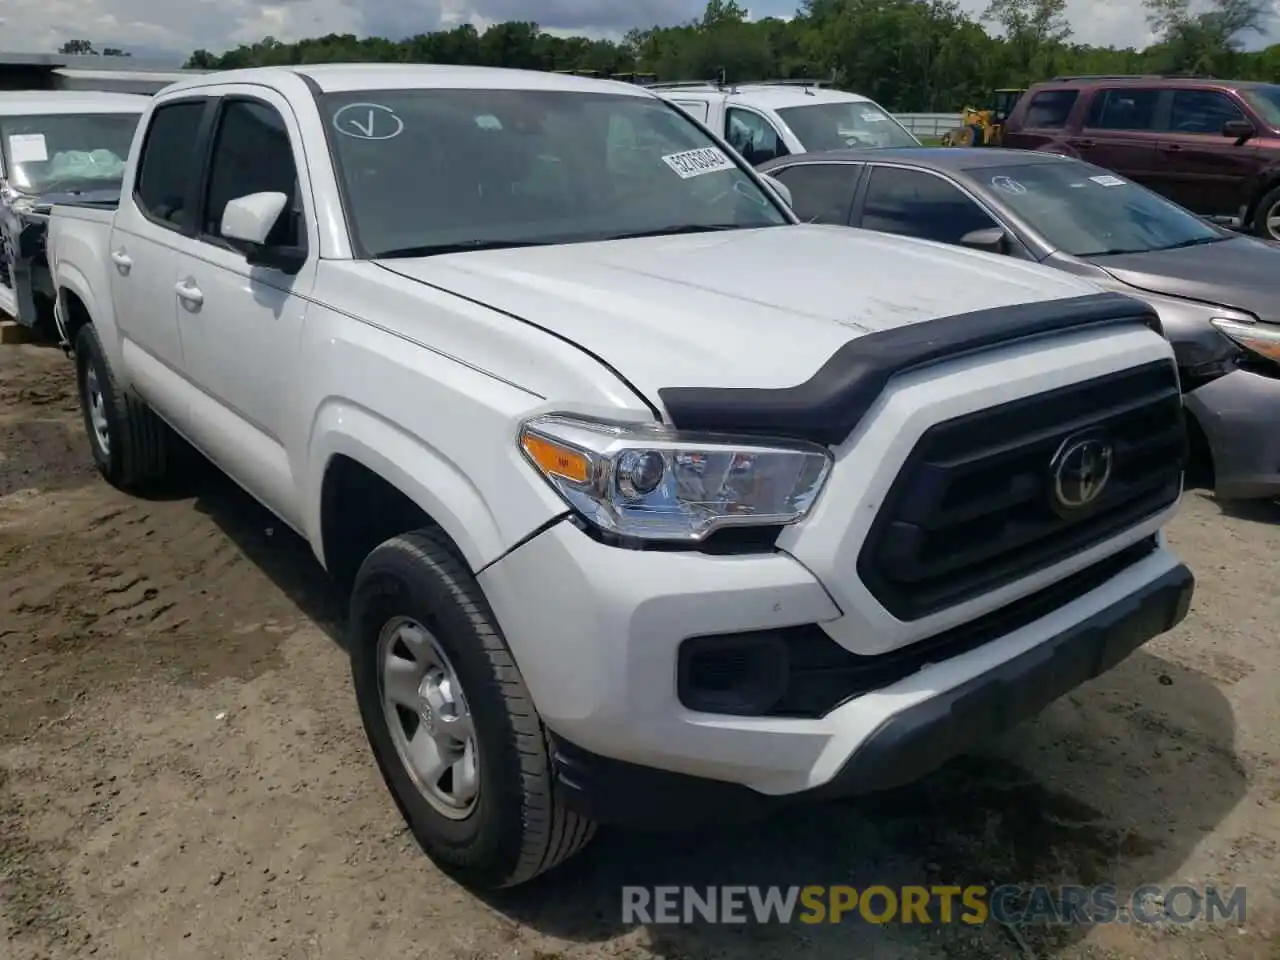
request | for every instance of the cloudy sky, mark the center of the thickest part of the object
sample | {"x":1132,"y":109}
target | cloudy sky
{"x":175,"y":27}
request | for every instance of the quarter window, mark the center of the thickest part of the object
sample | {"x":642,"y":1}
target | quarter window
{"x":168,"y":166}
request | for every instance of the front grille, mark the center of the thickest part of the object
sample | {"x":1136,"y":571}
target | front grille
{"x":973,"y":507}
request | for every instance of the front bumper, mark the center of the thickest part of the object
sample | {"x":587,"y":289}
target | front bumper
{"x":1238,"y":413}
{"x":908,"y":744}
{"x":596,"y":632}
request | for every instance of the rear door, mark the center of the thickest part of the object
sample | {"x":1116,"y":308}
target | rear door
{"x":149,"y":227}
{"x":822,"y":192}
{"x":1121,"y":132}
{"x":1199,"y":167}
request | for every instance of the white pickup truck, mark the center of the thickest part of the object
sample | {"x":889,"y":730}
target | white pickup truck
{"x":655,"y":505}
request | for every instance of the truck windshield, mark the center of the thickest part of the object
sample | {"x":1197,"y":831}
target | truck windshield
{"x":1264,"y":98}
{"x":836,"y":126}
{"x":67,"y":151}
{"x":1086,"y":211}
{"x":443,"y":170}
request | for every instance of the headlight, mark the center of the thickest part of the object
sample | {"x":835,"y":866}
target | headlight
{"x":653,"y":483}
{"x":1262,"y":339}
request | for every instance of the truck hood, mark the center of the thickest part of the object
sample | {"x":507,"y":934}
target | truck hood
{"x":742,"y":308}
{"x":1243,"y":272}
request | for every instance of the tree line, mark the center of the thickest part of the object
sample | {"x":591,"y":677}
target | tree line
{"x":910,"y":55}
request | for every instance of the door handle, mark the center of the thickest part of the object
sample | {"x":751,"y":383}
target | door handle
{"x":189,"y":293}
{"x":1169,"y":148}
{"x":1084,"y":143}
{"x":122,"y":260}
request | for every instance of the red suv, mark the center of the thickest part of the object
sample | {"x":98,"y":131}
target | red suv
{"x":1211,"y":145}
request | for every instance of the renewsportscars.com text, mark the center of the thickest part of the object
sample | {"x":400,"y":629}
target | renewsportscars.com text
{"x":1009,"y":904}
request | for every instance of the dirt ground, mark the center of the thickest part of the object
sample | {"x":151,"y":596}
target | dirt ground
{"x":182,"y":773}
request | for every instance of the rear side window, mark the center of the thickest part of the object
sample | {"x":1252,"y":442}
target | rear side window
{"x":168,"y":166}
{"x":695,"y":108}
{"x":1123,"y":109}
{"x":1202,"y":111}
{"x":1050,"y":108}
{"x":821,"y":192}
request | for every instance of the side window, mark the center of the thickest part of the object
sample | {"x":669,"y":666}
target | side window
{"x":821,"y":192}
{"x":252,"y":154}
{"x":1123,"y":109}
{"x":916,"y":204}
{"x":1202,"y":111}
{"x":168,"y":165}
{"x":753,"y":136}
{"x":1050,"y":108}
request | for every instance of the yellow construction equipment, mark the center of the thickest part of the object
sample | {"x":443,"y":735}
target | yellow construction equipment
{"x":983,"y":128}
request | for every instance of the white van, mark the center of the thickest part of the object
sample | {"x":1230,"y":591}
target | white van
{"x":766,"y":119}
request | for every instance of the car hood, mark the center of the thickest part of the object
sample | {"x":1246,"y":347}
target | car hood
{"x":742,"y":308}
{"x":1243,"y":272}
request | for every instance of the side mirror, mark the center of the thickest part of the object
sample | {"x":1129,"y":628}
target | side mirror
{"x":1238,"y":130}
{"x":780,"y":188}
{"x":247,"y":222}
{"x":250,"y":218}
{"x":990,"y":239}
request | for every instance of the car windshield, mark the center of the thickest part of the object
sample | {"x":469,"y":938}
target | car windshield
{"x":836,"y":126}
{"x":1264,"y":98}
{"x":67,"y":151}
{"x":444,"y":170}
{"x":1085,"y":211}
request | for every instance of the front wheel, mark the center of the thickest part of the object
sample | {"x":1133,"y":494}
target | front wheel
{"x":451,"y":723}
{"x":1266,"y":216}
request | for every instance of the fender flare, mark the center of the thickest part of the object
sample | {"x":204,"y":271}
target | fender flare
{"x":71,"y":279}
{"x":423,"y":474}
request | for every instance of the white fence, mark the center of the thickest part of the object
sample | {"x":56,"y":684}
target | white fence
{"x":928,"y":124}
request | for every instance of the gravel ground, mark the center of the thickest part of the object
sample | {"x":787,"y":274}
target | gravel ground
{"x":182,"y":772}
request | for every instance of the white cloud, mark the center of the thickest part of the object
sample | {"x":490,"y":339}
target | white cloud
{"x":179,"y":26}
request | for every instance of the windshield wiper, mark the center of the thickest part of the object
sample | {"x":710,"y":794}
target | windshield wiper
{"x":431,"y":250}
{"x":1198,"y":241}
{"x":676,"y":229}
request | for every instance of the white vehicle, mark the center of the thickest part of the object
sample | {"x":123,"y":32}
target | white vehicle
{"x":768,"y":119}
{"x":654,"y":504}
{"x":54,"y":145}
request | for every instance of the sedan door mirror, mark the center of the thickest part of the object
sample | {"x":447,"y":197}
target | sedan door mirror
{"x":247,"y":222}
{"x":1238,"y":130}
{"x":780,"y":188}
{"x":990,"y":239}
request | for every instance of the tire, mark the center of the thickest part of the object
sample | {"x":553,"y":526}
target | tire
{"x":133,"y":448}
{"x":1263,"y":212}
{"x":515,"y":826}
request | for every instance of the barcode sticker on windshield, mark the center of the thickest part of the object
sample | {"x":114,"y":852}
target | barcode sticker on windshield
{"x":871,"y":117}
{"x":694,"y":163}
{"x":1107,"y":180}
{"x":28,"y":148}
